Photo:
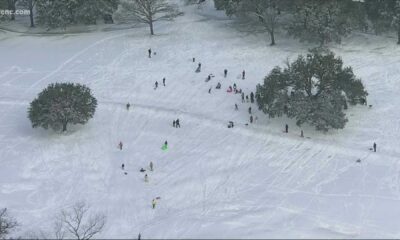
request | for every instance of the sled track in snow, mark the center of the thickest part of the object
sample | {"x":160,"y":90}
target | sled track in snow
{"x":255,"y":131}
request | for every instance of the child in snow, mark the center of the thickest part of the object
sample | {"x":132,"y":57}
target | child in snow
{"x":120,"y":145}
{"x":229,"y":89}
{"x":156,"y":85}
{"x":149,"y":51}
{"x":146,"y":178}
{"x":225,"y":72}
{"x":153,"y":203}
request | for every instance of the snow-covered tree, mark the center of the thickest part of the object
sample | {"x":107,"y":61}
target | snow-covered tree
{"x":62,"y":13}
{"x":319,"y":21}
{"x":396,"y":19}
{"x":146,"y":11}
{"x":61,"y":104}
{"x":313,"y":89}
{"x":264,"y":13}
{"x":29,"y":4}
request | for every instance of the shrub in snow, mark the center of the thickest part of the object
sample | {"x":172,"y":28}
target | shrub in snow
{"x":61,"y":104}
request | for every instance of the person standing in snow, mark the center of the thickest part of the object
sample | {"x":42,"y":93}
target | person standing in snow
{"x":209,"y":90}
{"x":236,"y":107}
{"x":128,"y":106}
{"x":146,"y":178}
{"x":252,"y":97}
{"x":153,"y":203}
{"x":374,"y":146}
{"x":243,"y":75}
{"x":301,"y":133}
{"x":178,"y":125}
{"x":163,"y":81}
{"x":251,"y":119}
{"x":166,"y":143}
{"x":247,"y":98}
{"x":225,"y":72}
{"x":156,"y":85}
{"x":194,"y":59}
{"x":173,"y":123}
{"x":151,"y":166}
{"x":139,"y":237}
{"x":123,"y":166}
{"x":242,"y":97}
{"x":120,"y":145}
{"x":198,"y":68}
{"x":149,"y":51}
{"x":249,"y":110}
{"x":286,"y":128}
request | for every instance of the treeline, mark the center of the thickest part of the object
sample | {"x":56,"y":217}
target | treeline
{"x":63,"y":13}
{"x":317,"y":21}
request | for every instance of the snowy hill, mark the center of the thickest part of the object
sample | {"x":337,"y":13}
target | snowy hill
{"x":247,"y":182}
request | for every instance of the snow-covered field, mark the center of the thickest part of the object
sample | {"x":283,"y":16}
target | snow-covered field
{"x":214,"y":182}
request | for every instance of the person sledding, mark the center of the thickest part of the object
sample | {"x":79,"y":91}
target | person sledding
{"x":229,"y":89}
{"x":165,"y":146}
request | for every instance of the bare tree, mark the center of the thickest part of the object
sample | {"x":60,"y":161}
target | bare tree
{"x":30,"y":4}
{"x":79,"y":223}
{"x":146,"y":11}
{"x":7,"y":223}
{"x":265,"y":12}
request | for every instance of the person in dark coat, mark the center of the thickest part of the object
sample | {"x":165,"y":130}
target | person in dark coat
{"x":123,"y":166}
{"x":225,"y":72}
{"x":178,"y":125}
{"x":374,"y":146}
{"x":209,"y":90}
{"x":163,"y":81}
{"x":243,"y":74}
{"x":242,"y":97}
{"x":236,"y":107}
{"x":156,"y":85}
{"x":252,"y":97}
{"x":251,"y":119}
{"x":128,"y":106}
{"x":247,"y":98}
{"x":173,"y":123}
{"x":194,"y":59}
{"x":249,"y":110}
{"x":286,"y":128}
{"x":149,"y":51}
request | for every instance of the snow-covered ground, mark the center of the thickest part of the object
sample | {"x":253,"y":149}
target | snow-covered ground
{"x":214,"y":182}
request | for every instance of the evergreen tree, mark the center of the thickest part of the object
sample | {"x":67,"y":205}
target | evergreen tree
{"x":62,"y":13}
{"x":313,"y":89}
{"x":61,"y":104}
{"x":319,"y":21}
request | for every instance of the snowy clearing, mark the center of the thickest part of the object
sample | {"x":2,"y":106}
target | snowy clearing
{"x":214,"y":182}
